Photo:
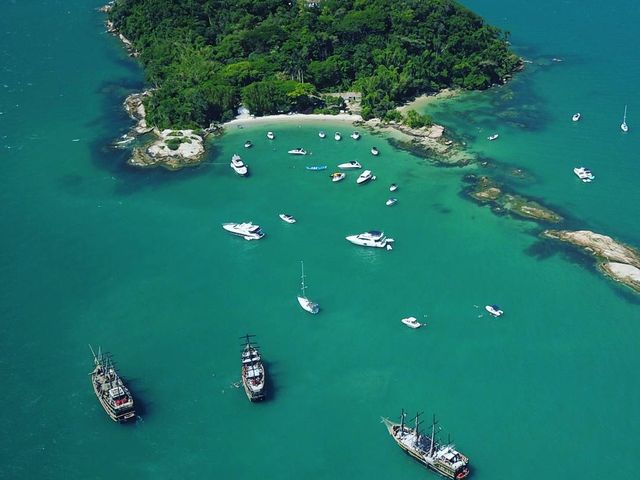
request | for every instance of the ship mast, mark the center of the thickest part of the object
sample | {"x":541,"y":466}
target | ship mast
{"x":302,"y":279}
{"x":402,"y":415}
{"x":433,"y":436}
{"x":417,"y":440}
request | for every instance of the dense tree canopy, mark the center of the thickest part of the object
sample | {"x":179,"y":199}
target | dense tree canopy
{"x":205,"y":57}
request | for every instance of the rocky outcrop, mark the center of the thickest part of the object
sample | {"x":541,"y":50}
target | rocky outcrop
{"x":615,"y":259}
{"x":134,"y":105}
{"x":485,"y":190}
{"x":174,"y":149}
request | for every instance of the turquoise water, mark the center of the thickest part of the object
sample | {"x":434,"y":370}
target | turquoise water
{"x":135,"y":261}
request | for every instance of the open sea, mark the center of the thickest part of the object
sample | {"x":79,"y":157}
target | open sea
{"x":135,"y":261}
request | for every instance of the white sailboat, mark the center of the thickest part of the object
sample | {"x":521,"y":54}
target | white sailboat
{"x":304,"y":302}
{"x":623,"y":126}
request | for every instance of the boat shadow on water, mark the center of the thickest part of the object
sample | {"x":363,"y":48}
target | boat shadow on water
{"x":271,"y":386}
{"x":138,"y":392}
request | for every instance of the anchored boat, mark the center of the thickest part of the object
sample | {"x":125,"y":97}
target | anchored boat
{"x":304,"y":302}
{"x":442,"y":458}
{"x":253,"y":373}
{"x":113,"y":394}
{"x":373,"y":238}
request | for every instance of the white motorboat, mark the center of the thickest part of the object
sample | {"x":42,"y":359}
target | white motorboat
{"x":238,"y":166}
{"x":337,"y":136}
{"x":297,"y":151}
{"x":355,"y":135}
{"x":374,"y":151}
{"x":494,"y":310}
{"x":337,"y":176}
{"x":246,"y":230}
{"x":287,"y":218}
{"x":411,"y":322}
{"x":584,"y":174}
{"x":576,"y":117}
{"x":248,"y":144}
{"x":393,"y":187}
{"x":270,"y":135}
{"x":492,"y":137}
{"x":350,"y":165}
{"x":304,"y":302}
{"x":364,"y":177}
{"x":391,"y":201}
{"x":373,"y":238}
{"x":623,"y":126}
{"x":321,"y":134}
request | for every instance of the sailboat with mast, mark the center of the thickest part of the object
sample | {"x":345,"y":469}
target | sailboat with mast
{"x":304,"y":302}
{"x":623,"y":126}
{"x":108,"y":386}
{"x":442,"y":458}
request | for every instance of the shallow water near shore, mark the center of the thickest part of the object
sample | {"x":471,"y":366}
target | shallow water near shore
{"x":96,"y":252}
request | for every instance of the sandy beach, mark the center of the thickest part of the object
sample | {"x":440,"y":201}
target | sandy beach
{"x":246,"y":119}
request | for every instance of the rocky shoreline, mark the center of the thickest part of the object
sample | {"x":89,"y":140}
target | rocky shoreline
{"x":615,"y":259}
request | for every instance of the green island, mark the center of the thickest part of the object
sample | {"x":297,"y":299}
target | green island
{"x":205,"y":58}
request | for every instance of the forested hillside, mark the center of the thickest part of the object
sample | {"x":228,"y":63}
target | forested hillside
{"x":205,"y":57}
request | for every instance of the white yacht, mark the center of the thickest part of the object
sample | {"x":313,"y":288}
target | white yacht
{"x":270,"y":135}
{"x":364,"y":177}
{"x":391,"y":201}
{"x":321,"y":134}
{"x":337,"y":136}
{"x":238,"y":166}
{"x":297,"y":151}
{"x":304,"y":302}
{"x":287,"y":218}
{"x":393,"y":187}
{"x":355,"y":135}
{"x":623,"y":126}
{"x":411,"y":322}
{"x":337,"y":176}
{"x":494,"y":310}
{"x":584,"y":174}
{"x":372,"y":238}
{"x":576,"y":117}
{"x":374,"y":151}
{"x":350,"y":165}
{"x":248,"y":144}
{"x":247,"y":230}
{"x":492,"y":137}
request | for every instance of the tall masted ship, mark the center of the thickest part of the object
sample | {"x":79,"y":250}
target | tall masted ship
{"x":444,"y":459}
{"x":253,"y":373}
{"x":114,"y":396}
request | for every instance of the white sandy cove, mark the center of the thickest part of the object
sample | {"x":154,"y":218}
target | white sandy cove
{"x":246,"y":119}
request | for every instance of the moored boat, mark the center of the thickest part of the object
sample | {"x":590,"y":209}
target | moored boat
{"x":492,"y":137}
{"x":271,"y":135}
{"x":304,"y":302}
{"x":337,"y":176}
{"x":494,"y":310}
{"x":248,"y":144}
{"x":375,"y":152}
{"x":316,"y":167}
{"x":372,"y":238}
{"x":252,"y":371}
{"x":246,"y":230}
{"x":297,"y":151}
{"x":239,"y":166}
{"x":442,"y":458}
{"x":584,"y":174}
{"x":337,"y":136}
{"x":355,"y":135}
{"x":350,"y":165}
{"x":393,"y":187}
{"x":287,"y":218}
{"x":623,"y":126}
{"x":576,"y":117}
{"x":364,"y":177}
{"x":110,"y":389}
{"x":411,"y":322}
{"x":321,"y":134}
{"x":391,"y":201}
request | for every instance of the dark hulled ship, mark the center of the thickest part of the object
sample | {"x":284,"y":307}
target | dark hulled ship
{"x":108,"y":386}
{"x":253,"y":373}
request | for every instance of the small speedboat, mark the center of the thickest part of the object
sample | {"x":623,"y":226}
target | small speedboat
{"x":492,"y":137}
{"x":411,"y":322}
{"x":584,"y":174}
{"x":374,"y":151}
{"x":355,"y":135}
{"x":364,"y":177}
{"x":393,"y":187}
{"x":350,"y":165}
{"x":248,"y":144}
{"x":316,"y":167}
{"x":297,"y":151}
{"x":287,"y":218}
{"x":270,"y":135}
{"x":576,"y":117}
{"x":321,"y":134}
{"x":391,"y":201}
{"x":337,"y":136}
{"x":238,"y":165}
{"x":494,"y":310}
{"x":337,"y":176}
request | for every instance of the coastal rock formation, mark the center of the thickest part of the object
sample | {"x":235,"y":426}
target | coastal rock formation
{"x":134,"y":106}
{"x":173,"y":150}
{"x":485,"y":190}
{"x":616,"y":260}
